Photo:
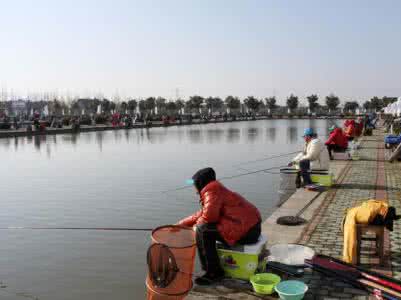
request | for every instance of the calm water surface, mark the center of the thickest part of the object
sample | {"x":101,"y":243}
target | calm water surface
{"x":114,"y":179}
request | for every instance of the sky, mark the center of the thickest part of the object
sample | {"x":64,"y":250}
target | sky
{"x":165,"y":48}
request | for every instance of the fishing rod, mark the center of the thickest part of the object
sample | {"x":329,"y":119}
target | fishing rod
{"x":267,"y":172}
{"x":225,"y":178}
{"x":274,"y":156}
{"x":77,"y":228}
{"x":266,"y":158}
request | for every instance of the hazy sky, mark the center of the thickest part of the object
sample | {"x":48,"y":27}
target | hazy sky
{"x":150,"y":48}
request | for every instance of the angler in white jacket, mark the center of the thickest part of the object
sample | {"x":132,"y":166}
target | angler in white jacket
{"x":314,"y":156}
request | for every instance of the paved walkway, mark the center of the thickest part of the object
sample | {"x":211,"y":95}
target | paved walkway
{"x":370,"y":177}
{"x":324,"y":234}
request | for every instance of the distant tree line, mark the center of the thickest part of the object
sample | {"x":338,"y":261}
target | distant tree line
{"x":200,"y":105}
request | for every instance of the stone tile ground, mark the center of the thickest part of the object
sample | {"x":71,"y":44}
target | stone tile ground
{"x":393,"y":177}
{"x":361,"y":180}
{"x":358,"y":184}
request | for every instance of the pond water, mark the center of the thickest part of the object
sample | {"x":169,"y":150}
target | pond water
{"x":116,"y":179}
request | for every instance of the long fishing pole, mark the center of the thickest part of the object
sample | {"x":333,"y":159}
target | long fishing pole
{"x":266,"y":158}
{"x":267,"y":172}
{"x":224,"y":178}
{"x":77,"y":228}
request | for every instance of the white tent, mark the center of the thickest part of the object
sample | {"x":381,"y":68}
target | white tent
{"x":394,"y":108}
{"x":398,"y":108}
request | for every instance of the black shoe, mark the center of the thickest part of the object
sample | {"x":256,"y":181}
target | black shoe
{"x":209,"y":278}
{"x":331,"y":158}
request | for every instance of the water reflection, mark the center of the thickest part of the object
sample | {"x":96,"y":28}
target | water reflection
{"x":37,"y":140}
{"x":54,"y":139}
{"x":271,"y":134}
{"x":148,"y":136}
{"x":312,"y":124}
{"x":6,"y":143}
{"x":70,"y":139}
{"x":117,"y":136}
{"x":180,"y":135}
{"x":214,"y":135}
{"x":292,"y":135}
{"x":233,"y":135}
{"x":210,"y":134}
{"x":16,"y":144}
{"x":195,"y":135}
{"x":99,"y":139}
{"x":127,"y":135}
{"x":48,"y":151}
{"x":252,"y":134}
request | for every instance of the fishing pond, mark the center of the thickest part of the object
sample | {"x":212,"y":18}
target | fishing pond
{"x":118,"y":179}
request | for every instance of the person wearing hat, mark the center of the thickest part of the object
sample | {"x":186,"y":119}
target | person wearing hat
{"x":225,"y":216}
{"x":314,"y":156}
{"x":337,"y":141}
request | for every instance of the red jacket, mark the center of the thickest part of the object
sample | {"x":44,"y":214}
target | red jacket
{"x":359,"y":128}
{"x":350,"y":130}
{"x":337,"y":137}
{"x":233,"y":214}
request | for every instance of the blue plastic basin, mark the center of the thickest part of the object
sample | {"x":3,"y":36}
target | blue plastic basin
{"x":291,"y":290}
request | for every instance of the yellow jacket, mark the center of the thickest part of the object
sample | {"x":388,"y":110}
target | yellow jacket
{"x":363,"y":214}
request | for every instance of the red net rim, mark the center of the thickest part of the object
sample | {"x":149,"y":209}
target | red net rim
{"x":176,"y":226}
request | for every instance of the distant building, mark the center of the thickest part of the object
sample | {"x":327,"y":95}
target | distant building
{"x":19,"y":107}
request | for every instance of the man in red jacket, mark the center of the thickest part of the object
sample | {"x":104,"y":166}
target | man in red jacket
{"x":337,"y":141}
{"x":224,"y":216}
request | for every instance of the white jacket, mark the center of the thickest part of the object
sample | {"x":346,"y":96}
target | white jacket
{"x":317,"y":153}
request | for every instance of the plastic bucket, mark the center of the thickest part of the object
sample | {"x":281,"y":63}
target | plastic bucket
{"x":264,"y":283}
{"x":288,"y":177}
{"x":291,"y":290}
{"x":181,"y":242}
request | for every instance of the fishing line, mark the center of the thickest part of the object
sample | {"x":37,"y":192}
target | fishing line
{"x":224,"y":178}
{"x":266,"y":158}
{"x":267,"y":172}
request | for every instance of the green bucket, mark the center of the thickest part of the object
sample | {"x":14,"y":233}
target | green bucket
{"x":264,"y":283}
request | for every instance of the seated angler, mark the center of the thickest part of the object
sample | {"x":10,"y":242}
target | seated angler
{"x":337,"y":141}
{"x":225,"y":216}
{"x":350,"y":129}
{"x":314,"y":156}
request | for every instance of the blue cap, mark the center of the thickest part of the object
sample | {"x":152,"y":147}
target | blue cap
{"x":189,"y":182}
{"x":308,"y":132}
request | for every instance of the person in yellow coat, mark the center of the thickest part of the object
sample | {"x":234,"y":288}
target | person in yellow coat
{"x":373,"y":212}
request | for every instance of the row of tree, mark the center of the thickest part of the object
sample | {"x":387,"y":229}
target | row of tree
{"x":160,"y":105}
